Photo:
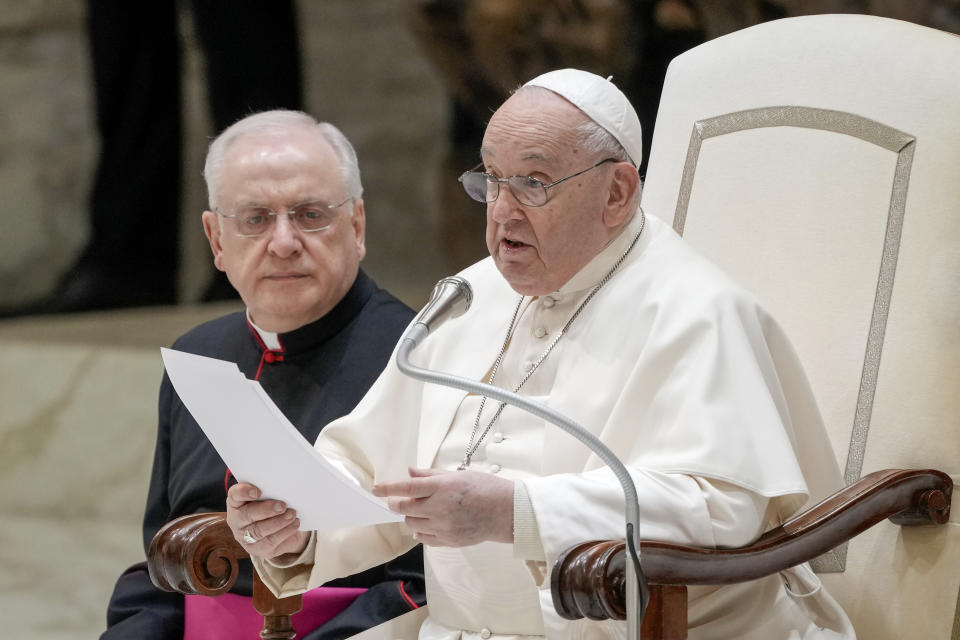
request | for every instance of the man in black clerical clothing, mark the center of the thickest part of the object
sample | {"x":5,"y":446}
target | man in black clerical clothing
{"x":286,"y":224}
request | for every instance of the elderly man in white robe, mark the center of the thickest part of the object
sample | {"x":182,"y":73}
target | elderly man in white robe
{"x":607,"y":316}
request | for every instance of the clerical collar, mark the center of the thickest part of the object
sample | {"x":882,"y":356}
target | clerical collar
{"x":269,"y":338}
{"x":598,"y":267}
{"x":322,"y":329}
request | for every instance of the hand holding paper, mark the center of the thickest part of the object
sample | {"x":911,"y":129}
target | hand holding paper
{"x":265,"y":528}
{"x":261,"y":447}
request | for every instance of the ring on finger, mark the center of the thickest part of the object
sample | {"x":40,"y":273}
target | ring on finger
{"x":249,"y":539}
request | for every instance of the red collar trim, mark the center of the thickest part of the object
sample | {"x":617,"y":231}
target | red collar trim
{"x":268,"y":356}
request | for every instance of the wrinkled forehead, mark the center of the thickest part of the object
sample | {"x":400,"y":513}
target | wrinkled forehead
{"x":265,"y":151}
{"x":534,"y":123}
{"x":294,"y":161}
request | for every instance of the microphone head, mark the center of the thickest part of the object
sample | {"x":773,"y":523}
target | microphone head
{"x":451,"y":297}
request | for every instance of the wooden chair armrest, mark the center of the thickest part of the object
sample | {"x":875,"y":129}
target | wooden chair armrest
{"x":588,"y":579}
{"x":195,"y":554}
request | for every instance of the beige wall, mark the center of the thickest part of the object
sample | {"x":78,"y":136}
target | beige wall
{"x":46,"y":143}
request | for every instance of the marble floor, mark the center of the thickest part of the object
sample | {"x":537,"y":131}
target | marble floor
{"x":77,"y":429}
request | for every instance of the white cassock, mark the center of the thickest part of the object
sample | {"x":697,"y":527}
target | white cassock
{"x":676,"y":369}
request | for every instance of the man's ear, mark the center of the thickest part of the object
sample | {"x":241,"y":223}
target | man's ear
{"x":621,"y":201}
{"x":212,"y":229}
{"x":359,"y":222}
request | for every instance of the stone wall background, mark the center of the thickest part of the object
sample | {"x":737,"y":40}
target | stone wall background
{"x":46,"y":144}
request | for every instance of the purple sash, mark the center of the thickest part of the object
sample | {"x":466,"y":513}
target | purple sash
{"x":229,"y":617}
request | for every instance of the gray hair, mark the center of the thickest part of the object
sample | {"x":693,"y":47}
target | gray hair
{"x":280,"y":121}
{"x":596,"y":140}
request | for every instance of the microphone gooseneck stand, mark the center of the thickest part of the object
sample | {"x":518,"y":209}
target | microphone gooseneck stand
{"x":452,"y":297}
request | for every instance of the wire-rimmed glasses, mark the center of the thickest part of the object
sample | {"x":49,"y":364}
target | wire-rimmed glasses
{"x":309,"y":217}
{"x":532,"y":192}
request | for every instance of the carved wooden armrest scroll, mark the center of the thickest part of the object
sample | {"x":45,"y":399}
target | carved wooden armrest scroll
{"x":588,"y":579}
{"x":197,"y":554}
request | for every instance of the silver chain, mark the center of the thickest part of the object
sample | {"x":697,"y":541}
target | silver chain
{"x":473,"y":446}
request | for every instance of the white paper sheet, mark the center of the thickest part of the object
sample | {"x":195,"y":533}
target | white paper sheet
{"x":261,"y":447}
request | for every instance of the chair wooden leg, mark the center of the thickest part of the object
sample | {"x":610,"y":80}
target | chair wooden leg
{"x":276,"y":612}
{"x":666,"y":616}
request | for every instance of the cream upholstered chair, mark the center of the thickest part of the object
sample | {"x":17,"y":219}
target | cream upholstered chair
{"x":817,"y":160}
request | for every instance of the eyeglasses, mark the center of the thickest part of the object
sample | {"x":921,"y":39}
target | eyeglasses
{"x":484,"y":187}
{"x":250,"y":222}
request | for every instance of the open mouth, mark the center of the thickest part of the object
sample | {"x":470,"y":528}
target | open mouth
{"x":513,"y":244}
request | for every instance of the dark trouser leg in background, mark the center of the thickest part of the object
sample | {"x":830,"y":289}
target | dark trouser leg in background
{"x":131,"y":258}
{"x":252,"y":56}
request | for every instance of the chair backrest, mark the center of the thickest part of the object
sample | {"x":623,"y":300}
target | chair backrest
{"x":817,"y":160}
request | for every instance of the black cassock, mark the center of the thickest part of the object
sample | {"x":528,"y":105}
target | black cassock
{"x":321,"y":373}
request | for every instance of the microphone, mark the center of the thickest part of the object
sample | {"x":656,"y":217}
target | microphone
{"x":451,"y":297}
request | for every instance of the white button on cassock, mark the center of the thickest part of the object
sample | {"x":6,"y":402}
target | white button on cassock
{"x":498,"y":437}
{"x":548,"y":302}
{"x":495,"y":468}
{"x":485,"y":633}
{"x":539,"y":332}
